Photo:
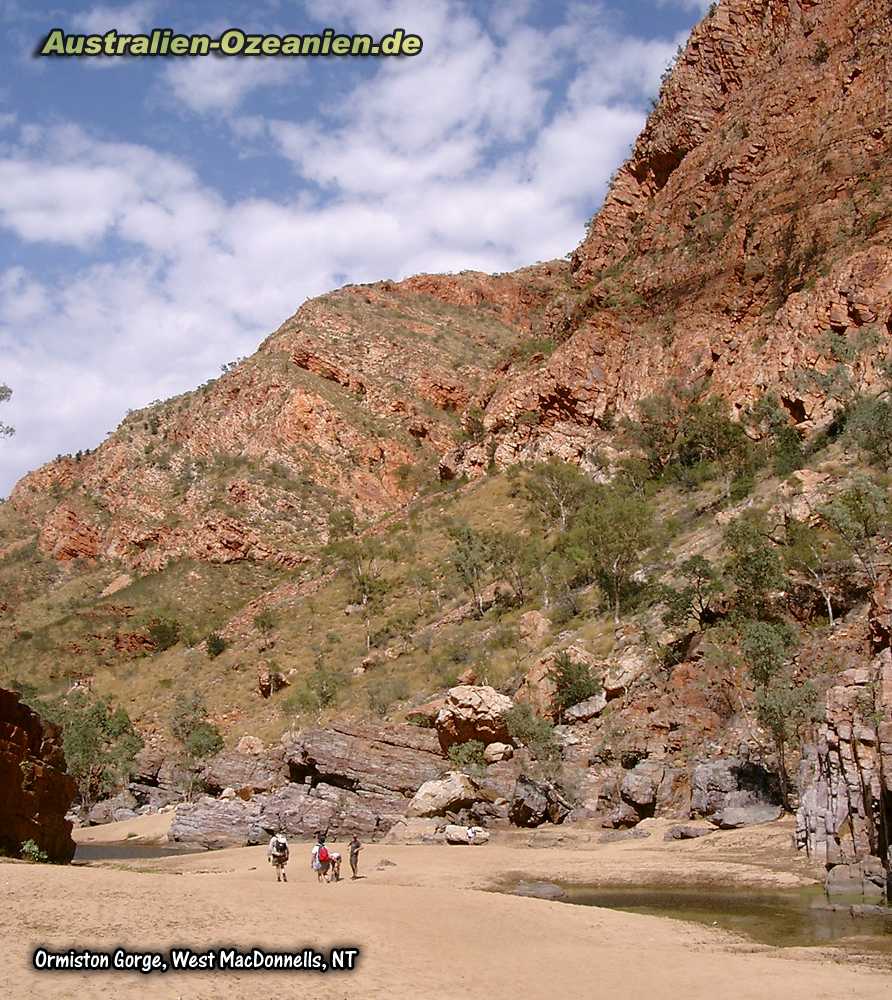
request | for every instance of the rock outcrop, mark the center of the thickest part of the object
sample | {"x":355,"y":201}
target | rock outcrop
{"x":845,"y":816}
{"x":343,"y":779}
{"x":450,"y":794}
{"x":536,"y":802}
{"x":717,"y":257}
{"x":732,"y":792}
{"x":473,"y":713}
{"x":35,"y":790}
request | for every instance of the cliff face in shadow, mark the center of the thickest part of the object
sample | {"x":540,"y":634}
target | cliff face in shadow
{"x":35,"y":790}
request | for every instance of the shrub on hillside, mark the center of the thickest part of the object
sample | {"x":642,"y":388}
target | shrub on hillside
{"x":215,"y":644}
{"x":574,"y":681}
{"x":468,"y":757}
{"x":536,"y":734}
{"x":164,"y":633}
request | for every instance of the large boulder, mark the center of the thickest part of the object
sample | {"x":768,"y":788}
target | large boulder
{"x":732,"y":783}
{"x":473,"y":713}
{"x":425,"y":715}
{"x":210,"y":822}
{"x":118,"y":807}
{"x":436,"y":798}
{"x":538,"y":690}
{"x":537,"y":802}
{"x":35,"y":790}
{"x":735,"y":817}
{"x":864,"y":881}
{"x":246,"y":772}
{"x":640,"y":787}
{"x":415,"y":830}
{"x":301,"y":810}
{"x":497,"y":752}
{"x":474,"y":835}
{"x":586,"y":710}
{"x":384,"y":760}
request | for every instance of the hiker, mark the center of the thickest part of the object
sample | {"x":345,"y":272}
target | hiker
{"x":355,"y":848}
{"x":335,"y":859}
{"x":277,"y":855}
{"x":321,"y":858}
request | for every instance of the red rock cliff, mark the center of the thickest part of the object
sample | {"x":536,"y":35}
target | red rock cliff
{"x":35,"y":790}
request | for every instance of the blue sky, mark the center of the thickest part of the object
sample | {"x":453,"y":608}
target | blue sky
{"x":159,"y":217}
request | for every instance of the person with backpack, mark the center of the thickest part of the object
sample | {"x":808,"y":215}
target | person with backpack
{"x":277,"y":855}
{"x":321,"y":858}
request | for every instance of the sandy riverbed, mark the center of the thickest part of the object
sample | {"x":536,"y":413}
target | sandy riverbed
{"x":424,"y":925}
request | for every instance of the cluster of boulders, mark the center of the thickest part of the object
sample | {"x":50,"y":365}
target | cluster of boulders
{"x":35,"y":790}
{"x":400,"y":780}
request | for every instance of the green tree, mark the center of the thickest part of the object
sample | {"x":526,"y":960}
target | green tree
{"x":846,"y":381}
{"x":753,"y":564}
{"x":859,"y":516}
{"x":362,"y":561}
{"x":555,"y":490}
{"x":682,"y":433}
{"x":341,"y":524}
{"x":537,"y":735}
{"x":265,"y":621}
{"x":694,"y":601}
{"x":513,"y":558}
{"x":574,"y":681}
{"x":782,"y":439}
{"x":193,"y":730}
{"x":808,"y":552}
{"x":766,"y":647}
{"x":470,"y":559}
{"x":99,"y":742}
{"x":784,"y":708}
{"x":608,"y":539}
{"x":869,"y":426}
{"x":5,"y":395}
{"x":658,"y":430}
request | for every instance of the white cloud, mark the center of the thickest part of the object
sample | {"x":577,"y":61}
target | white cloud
{"x":697,"y":6}
{"x":220,"y":83}
{"x":132,"y":18}
{"x":462,"y":159}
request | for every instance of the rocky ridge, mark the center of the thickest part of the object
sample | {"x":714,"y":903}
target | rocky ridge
{"x":750,"y":220}
{"x":35,"y":789}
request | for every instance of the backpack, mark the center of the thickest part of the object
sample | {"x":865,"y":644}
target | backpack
{"x":280,"y":848}
{"x":323,"y":854}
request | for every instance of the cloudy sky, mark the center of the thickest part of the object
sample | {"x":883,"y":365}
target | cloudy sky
{"x":158,"y":217}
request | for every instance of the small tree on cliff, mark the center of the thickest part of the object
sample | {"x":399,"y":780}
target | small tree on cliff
{"x":100,"y":744}
{"x":694,"y":601}
{"x":573,"y":680}
{"x":555,"y":491}
{"x":784,"y":707}
{"x":361,"y":561}
{"x":609,"y":537}
{"x":470,"y":558}
{"x":196,"y":734}
{"x":859,"y":517}
{"x":5,"y":395}
{"x":753,"y":564}
{"x":514,"y":559}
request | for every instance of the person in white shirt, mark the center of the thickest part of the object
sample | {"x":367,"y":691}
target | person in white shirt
{"x":277,"y":855}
